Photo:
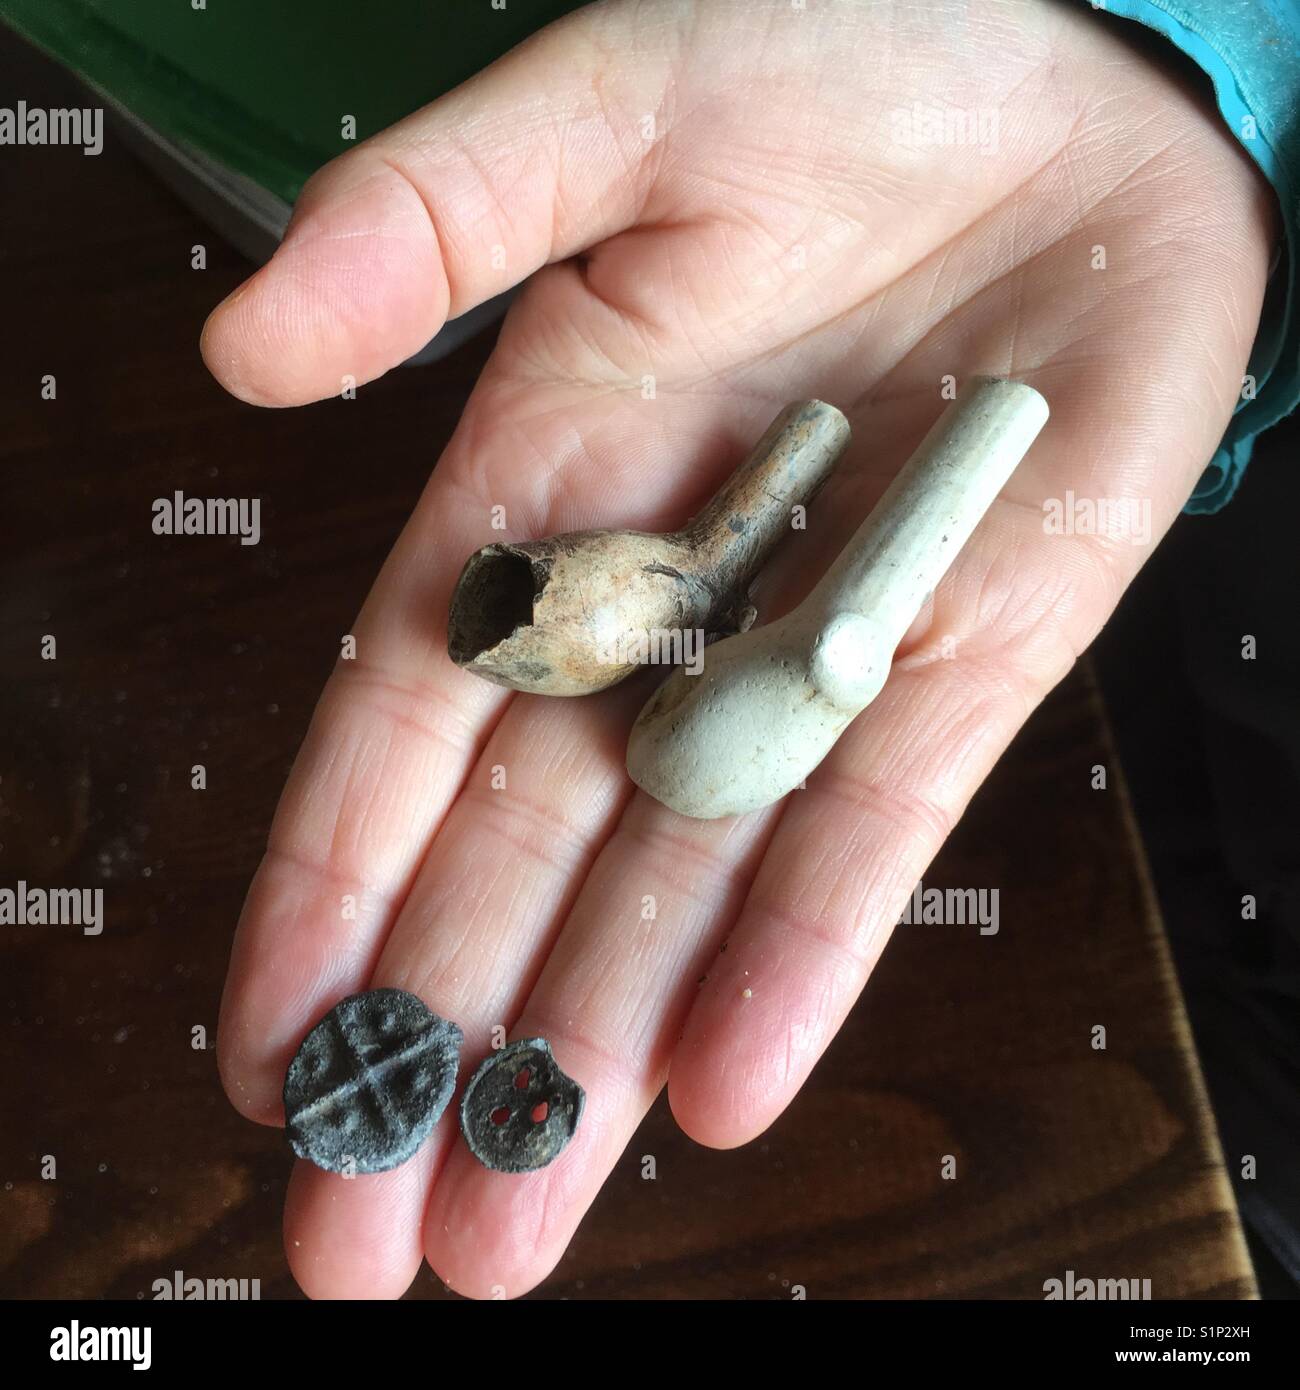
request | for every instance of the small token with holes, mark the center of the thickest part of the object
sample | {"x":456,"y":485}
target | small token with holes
{"x":369,"y":1082}
{"x":519,"y":1109}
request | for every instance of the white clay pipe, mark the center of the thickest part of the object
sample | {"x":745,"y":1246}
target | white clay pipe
{"x":564,"y":615}
{"x":770,"y":703}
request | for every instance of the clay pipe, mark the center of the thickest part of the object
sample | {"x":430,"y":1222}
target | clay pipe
{"x":769,"y":705}
{"x":576,"y":613}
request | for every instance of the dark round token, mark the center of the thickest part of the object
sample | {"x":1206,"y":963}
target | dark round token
{"x":369,"y":1082}
{"x":519,"y":1109}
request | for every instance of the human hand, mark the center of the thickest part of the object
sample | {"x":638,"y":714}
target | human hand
{"x":726,"y":200}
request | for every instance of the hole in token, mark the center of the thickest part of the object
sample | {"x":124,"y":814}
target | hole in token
{"x":501,"y":1114}
{"x":540,"y":1112}
{"x":523,"y":1078}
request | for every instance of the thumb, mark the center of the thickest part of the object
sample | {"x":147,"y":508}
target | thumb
{"x":534,"y":159}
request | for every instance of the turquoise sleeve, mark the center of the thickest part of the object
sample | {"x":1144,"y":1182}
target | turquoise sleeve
{"x":1250,"y":49}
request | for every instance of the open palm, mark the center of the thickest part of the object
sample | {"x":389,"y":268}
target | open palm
{"x":736,"y":205}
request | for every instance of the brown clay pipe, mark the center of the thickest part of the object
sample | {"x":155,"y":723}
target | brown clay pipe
{"x":573,"y":614}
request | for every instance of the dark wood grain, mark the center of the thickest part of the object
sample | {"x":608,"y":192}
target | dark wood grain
{"x":173,"y":652}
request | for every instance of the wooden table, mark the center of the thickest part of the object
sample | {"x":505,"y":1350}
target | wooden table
{"x":172,"y":652}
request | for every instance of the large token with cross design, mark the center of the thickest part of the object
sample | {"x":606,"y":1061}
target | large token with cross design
{"x":369,"y":1082}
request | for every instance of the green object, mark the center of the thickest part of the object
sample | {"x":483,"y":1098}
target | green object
{"x":264,"y":86}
